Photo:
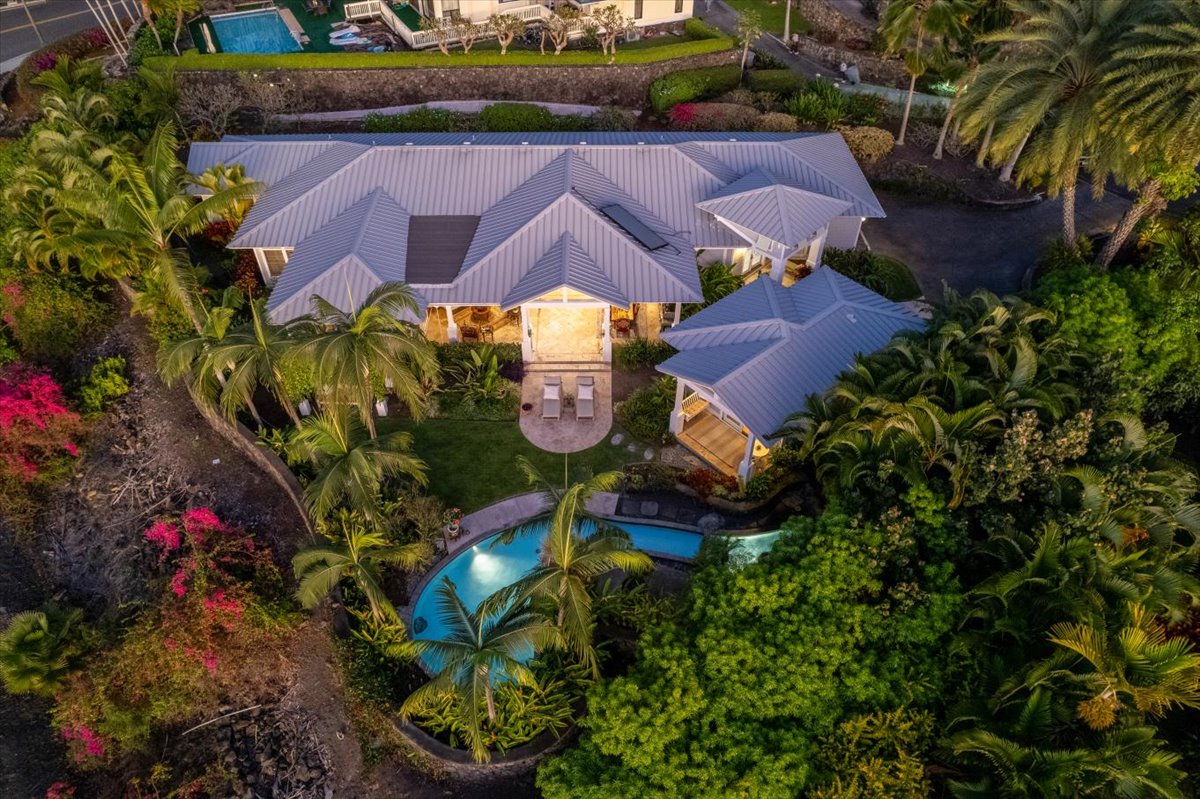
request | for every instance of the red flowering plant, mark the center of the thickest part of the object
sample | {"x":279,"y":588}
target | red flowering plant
{"x":36,"y":426}
{"x":682,"y":115}
{"x":219,"y":606}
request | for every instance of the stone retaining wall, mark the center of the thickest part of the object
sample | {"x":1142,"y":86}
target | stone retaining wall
{"x":345,"y":89}
{"x":871,"y":68}
{"x":830,"y":24}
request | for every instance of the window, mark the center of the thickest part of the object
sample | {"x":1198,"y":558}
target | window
{"x":678,"y":6}
{"x":637,"y":9}
{"x":271,"y":263}
{"x":449,"y":8}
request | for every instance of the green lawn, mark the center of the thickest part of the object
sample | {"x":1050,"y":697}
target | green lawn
{"x":473,"y":464}
{"x":772,"y":12}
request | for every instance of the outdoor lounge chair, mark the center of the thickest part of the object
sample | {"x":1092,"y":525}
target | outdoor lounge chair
{"x":552,"y":398}
{"x":585,"y":399}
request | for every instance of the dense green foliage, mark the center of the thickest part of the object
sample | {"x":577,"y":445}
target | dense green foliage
{"x":718,"y":705}
{"x":689,"y":85}
{"x":880,"y":273}
{"x":781,"y":82}
{"x":640,"y":353}
{"x":105,"y":382}
{"x":646,"y":413}
{"x":517,"y":117}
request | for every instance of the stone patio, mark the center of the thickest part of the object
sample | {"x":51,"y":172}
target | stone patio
{"x":567,"y":433}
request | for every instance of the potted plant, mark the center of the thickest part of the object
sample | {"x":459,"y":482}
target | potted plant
{"x":453,"y":518}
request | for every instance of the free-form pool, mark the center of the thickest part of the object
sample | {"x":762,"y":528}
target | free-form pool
{"x":254,"y":32}
{"x":487,"y":566}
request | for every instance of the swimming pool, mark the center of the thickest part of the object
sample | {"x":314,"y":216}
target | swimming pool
{"x":254,"y":32}
{"x":487,"y":566}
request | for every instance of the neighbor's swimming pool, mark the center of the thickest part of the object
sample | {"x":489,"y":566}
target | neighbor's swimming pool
{"x":254,"y":32}
{"x":487,"y":566}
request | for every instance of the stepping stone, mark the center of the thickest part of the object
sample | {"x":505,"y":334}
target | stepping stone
{"x":631,"y":448}
{"x":648,"y":455}
{"x":649,"y":508}
{"x":617,"y":439}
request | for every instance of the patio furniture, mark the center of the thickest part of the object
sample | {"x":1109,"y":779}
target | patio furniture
{"x":487,"y":333}
{"x":585,"y":400}
{"x":349,"y":42}
{"x":513,"y":317}
{"x":469,"y":333}
{"x":552,"y":398}
{"x":481,"y":313}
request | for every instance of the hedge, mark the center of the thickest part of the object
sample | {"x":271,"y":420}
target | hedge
{"x":193,"y":60}
{"x":783,"y":82}
{"x":689,"y":85}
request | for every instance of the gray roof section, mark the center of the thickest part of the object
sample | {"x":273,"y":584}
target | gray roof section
{"x":765,"y":348}
{"x":436,"y":247}
{"x":782,"y":212}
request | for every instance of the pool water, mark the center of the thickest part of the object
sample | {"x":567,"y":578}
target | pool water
{"x":488,"y":566}
{"x":254,"y":32}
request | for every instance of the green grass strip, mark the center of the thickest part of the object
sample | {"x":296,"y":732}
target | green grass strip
{"x":192,"y":60}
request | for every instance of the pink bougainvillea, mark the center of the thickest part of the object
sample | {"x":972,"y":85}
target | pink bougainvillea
{"x":179,"y":583}
{"x":683,"y":114}
{"x":88,"y":742}
{"x":35,"y":423}
{"x":60,"y":790}
{"x":166,"y":535}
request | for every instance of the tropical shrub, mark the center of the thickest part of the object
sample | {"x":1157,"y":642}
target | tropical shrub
{"x":717,"y":281}
{"x":690,"y":85}
{"x":527,"y":117}
{"x":105,"y":383}
{"x":781,"y":82}
{"x":878,"y":755}
{"x":696,"y":28}
{"x":39,"y":649}
{"x":476,"y":389}
{"x":613,"y":119}
{"x":868,"y":144}
{"x":220,"y":605}
{"x":775,"y":122}
{"x":880,"y":273}
{"x":640,"y":353}
{"x":764,"y":662}
{"x":646,"y":413}
{"x":460,"y":351}
{"x":419,"y":120}
{"x":48,"y":316}
{"x":713,"y":116}
{"x":37,"y":429}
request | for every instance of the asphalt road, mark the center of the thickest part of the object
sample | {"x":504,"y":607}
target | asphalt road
{"x":54,"y":18}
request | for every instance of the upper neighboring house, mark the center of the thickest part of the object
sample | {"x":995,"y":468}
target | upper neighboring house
{"x":559,"y":241}
{"x":641,"y":12}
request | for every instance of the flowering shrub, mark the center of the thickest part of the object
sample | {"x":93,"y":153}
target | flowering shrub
{"x":705,"y":481}
{"x":173,"y":663}
{"x":60,"y":790}
{"x":43,"y":62}
{"x":247,"y":276}
{"x":36,"y":426}
{"x":714,"y":116}
{"x":48,"y":315}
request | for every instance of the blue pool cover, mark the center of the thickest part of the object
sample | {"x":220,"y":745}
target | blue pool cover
{"x":254,"y":32}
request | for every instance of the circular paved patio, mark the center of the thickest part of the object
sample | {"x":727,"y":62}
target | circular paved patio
{"x":566,"y":433}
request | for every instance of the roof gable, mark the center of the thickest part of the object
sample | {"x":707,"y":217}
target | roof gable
{"x":784,"y":214}
{"x":565,"y":264}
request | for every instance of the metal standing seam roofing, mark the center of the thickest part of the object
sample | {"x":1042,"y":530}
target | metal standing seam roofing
{"x":763,"y":349}
{"x":528,"y":190}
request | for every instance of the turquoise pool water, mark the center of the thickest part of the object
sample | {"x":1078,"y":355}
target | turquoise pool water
{"x":254,"y":32}
{"x":488,"y":566}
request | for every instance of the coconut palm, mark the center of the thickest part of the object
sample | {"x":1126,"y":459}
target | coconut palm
{"x":480,"y":647}
{"x":192,"y":359}
{"x":355,"y":552}
{"x":749,"y":28}
{"x":38,"y":650}
{"x":1048,"y":93}
{"x":922,"y":30}
{"x":254,"y":353}
{"x":577,"y":548}
{"x":351,"y":465}
{"x":1152,"y":118}
{"x":219,"y":177}
{"x":360,"y":352}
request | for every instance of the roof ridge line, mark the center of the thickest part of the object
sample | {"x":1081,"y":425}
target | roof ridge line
{"x":372,"y":201}
{"x":807,"y":162}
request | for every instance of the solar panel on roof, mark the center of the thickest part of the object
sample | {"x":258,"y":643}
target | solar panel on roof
{"x":620,"y":215}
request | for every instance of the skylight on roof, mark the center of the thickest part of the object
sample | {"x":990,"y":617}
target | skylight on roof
{"x":623,"y":219}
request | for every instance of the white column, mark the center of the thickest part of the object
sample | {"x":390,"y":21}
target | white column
{"x":263,"y":268}
{"x":526,"y":335}
{"x":746,"y":467}
{"x":817,"y":251}
{"x":779,"y":256}
{"x":676,"y":426}
{"x":605,"y":335}
{"x":451,"y":325}
{"x":678,"y":313}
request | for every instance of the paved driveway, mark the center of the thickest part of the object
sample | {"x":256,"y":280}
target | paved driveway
{"x":55,"y":19}
{"x":972,"y":248}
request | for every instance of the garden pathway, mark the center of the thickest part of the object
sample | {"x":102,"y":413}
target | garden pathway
{"x":969,"y":247}
{"x":458,"y":106}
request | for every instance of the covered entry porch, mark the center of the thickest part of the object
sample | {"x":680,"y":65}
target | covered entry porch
{"x":713,"y":433}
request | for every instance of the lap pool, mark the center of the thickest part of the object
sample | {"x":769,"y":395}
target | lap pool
{"x":254,"y":32}
{"x":487,"y":566}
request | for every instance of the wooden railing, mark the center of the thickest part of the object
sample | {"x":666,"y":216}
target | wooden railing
{"x":381,"y":9}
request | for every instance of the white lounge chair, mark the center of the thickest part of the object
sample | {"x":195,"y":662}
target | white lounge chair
{"x":353,"y":40}
{"x":585,"y":400}
{"x":552,"y":398}
{"x":342,"y":33}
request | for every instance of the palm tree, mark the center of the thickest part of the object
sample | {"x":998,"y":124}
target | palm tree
{"x":143,"y":208}
{"x":1048,"y":93}
{"x":352,"y":466}
{"x":370,"y":347}
{"x":219,"y":177}
{"x":749,"y":28}
{"x":922,"y":29}
{"x":1151,"y":116}
{"x":193,"y":358}
{"x":480,"y":647}
{"x":254,"y":353}
{"x":355,"y":552}
{"x":577,"y":548}
{"x":38,"y":650}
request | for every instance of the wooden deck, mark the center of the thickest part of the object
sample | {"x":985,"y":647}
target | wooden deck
{"x":714,"y":441}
